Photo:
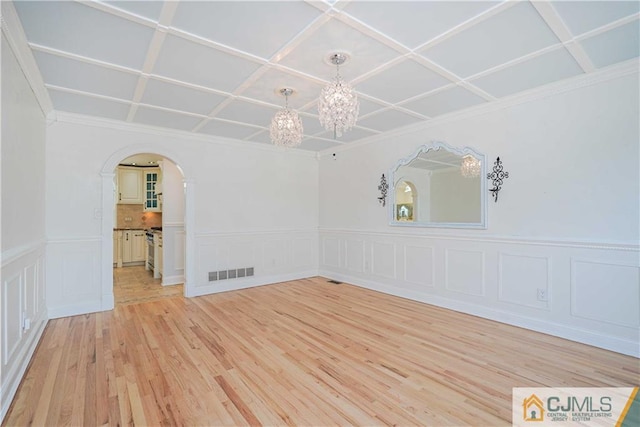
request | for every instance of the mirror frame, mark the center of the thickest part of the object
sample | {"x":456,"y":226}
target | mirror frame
{"x":435,"y":146}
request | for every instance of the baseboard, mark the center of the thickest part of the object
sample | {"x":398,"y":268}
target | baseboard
{"x":15,"y":374}
{"x":618,"y":345}
{"x":74,"y":310}
{"x":172,"y":280}
{"x":108,"y":301}
{"x":247,"y":282}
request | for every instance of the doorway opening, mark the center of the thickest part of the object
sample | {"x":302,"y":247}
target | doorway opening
{"x":148,"y":229}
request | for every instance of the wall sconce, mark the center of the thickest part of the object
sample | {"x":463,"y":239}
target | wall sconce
{"x":497,"y":176}
{"x":383,"y":188}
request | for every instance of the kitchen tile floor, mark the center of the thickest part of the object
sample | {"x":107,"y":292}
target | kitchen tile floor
{"x":132,"y":285}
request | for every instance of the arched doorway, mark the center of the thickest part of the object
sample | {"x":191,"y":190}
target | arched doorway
{"x":148,"y":238}
{"x":108,"y":220}
{"x":405,"y":201}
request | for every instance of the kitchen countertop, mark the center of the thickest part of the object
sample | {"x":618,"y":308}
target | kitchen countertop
{"x":136,"y":229}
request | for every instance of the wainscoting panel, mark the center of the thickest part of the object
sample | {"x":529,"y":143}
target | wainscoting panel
{"x":272,"y":256}
{"x":464,"y":271}
{"x":73,"y":276}
{"x":583,"y":291}
{"x":241,"y":253}
{"x":383,"y":259}
{"x":605,"y":292}
{"x":178,"y":250}
{"x":23,"y":315}
{"x":31,"y":292}
{"x":173,"y":242}
{"x":304,"y":253}
{"x":524,"y":280}
{"x":419,"y":265}
{"x":331,"y":252}
{"x":12,"y":292}
{"x":355,"y":255}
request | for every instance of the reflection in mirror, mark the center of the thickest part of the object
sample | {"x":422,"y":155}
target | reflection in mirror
{"x":440,"y":186}
{"x":405,"y":200}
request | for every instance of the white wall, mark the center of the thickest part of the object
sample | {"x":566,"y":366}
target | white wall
{"x":173,"y":234}
{"x":22,"y":293}
{"x":566,"y":220}
{"x":253,"y":207}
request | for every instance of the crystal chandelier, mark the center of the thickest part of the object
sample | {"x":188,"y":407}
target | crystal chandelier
{"x":338,"y":105}
{"x":470,"y":167}
{"x":286,"y":126}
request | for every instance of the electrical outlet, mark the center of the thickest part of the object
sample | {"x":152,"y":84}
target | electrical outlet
{"x":542,"y":294}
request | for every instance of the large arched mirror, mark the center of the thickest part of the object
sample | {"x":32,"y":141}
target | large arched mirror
{"x":439,"y":186}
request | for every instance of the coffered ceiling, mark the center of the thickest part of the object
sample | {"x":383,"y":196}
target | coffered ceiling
{"x":215,"y":67}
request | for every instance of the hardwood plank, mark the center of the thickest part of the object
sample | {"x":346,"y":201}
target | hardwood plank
{"x":297,"y":353}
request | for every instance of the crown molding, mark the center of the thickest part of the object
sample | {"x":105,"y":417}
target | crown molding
{"x":81,"y":119}
{"x":626,"y":68}
{"x":14,"y":33}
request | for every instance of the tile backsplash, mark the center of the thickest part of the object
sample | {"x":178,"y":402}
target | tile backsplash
{"x":134,"y":216}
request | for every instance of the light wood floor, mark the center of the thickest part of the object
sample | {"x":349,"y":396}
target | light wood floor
{"x":133,"y":285}
{"x":305,"y":352}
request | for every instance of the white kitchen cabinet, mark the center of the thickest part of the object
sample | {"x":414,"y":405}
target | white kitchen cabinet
{"x":160,"y":255}
{"x":138,"y":246}
{"x":152,"y":178}
{"x":133,"y":246}
{"x":117,"y":248}
{"x":130,"y":185}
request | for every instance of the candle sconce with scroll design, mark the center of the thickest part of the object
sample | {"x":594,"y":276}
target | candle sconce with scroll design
{"x":497,"y":176}
{"x":383,"y":188}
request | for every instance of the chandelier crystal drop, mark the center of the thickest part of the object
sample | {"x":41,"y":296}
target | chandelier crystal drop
{"x":470,"y":167}
{"x":338,"y":106}
{"x":286,"y":125}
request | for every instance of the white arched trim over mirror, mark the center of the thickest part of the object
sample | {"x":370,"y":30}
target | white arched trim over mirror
{"x":108,"y":200}
{"x":446,"y":188}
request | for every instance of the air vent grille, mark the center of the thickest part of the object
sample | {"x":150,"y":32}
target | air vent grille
{"x":230,"y":274}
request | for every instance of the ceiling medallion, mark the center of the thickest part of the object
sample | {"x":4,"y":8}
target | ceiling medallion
{"x":338,"y":106}
{"x":286,"y":125}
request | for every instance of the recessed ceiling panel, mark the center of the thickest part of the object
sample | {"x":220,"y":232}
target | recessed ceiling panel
{"x":583,"y":16}
{"x":387,"y":120}
{"x":353,"y":135}
{"x":243,"y":111}
{"x":238,"y":54}
{"x":614,"y":46}
{"x":151,"y":116}
{"x":404,"y":80}
{"x":367,"y":106}
{"x":311,"y":125}
{"x":194,"y":63}
{"x":263,"y":137}
{"x":315,"y":144}
{"x":72,"y":74}
{"x":413,"y":23}
{"x":149,"y":9}
{"x":177,"y":97}
{"x":227,"y":130}
{"x":455,"y":98}
{"x":80,"y":104}
{"x":267,"y":88}
{"x":265,"y":27}
{"x":365,"y":52}
{"x":543,"y":69}
{"x":76,"y":28}
{"x":508,"y":35}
